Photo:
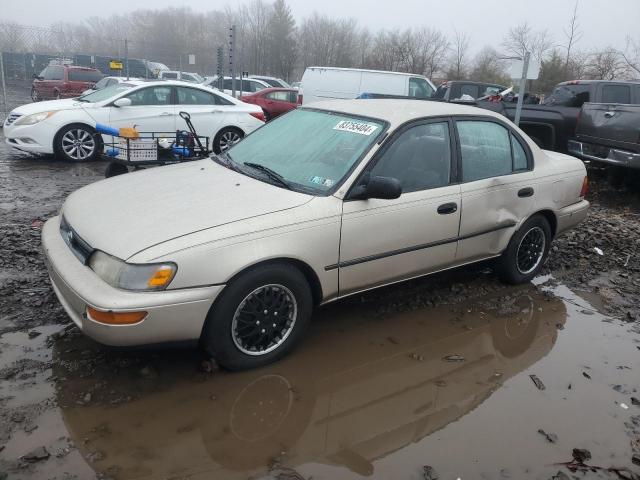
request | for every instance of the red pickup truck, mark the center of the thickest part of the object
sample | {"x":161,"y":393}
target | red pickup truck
{"x":63,"y":81}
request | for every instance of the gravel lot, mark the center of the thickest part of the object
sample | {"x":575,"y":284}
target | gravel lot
{"x":429,"y":379}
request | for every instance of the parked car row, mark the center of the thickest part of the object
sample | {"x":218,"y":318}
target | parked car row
{"x":67,"y":127}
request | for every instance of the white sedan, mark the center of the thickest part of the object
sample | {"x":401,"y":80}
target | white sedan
{"x":67,"y":127}
{"x":317,"y":205}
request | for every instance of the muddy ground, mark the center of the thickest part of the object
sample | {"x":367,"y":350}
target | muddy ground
{"x":455,"y":376}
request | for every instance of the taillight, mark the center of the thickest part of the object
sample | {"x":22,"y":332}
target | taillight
{"x":585,"y":187}
{"x":299,"y":99}
{"x":259,"y":115}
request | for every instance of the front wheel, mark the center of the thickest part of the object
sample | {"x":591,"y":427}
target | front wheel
{"x":259,"y":317}
{"x":35,"y":96}
{"x":226,"y":138}
{"x":77,"y":143}
{"x":526,"y":252}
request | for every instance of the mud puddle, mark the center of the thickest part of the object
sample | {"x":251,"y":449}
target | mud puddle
{"x":367,"y":394}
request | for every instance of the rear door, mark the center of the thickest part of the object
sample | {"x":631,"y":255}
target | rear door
{"x":498,"y":186}
{"x":151,"y":110}
{"x":277,"y":102}
{"x":384,"y":241}
{"x":208,"y":111}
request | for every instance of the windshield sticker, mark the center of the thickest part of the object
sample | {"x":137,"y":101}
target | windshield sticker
{"x":355,"y":127}
{"x":325,"y":182}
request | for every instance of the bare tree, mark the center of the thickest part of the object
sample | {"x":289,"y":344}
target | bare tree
{"x":458,"y":58}
{"x":606,"y":64}
{"x":573,"y":34}
{"x":488,"y":67}
{"x":631,"y":56}
{"x":522,"y":39}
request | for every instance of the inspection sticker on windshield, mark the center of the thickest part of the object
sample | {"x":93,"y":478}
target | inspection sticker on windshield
{"x":356,"y":127}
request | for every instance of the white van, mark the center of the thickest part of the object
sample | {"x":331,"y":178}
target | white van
{"x":323,"y":83}
{"x":184,"y":76}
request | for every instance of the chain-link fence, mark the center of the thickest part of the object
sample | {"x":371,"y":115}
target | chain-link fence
{"x":26,"y":51}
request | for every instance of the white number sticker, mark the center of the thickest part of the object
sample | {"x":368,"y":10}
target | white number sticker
{"x":356,"y":127}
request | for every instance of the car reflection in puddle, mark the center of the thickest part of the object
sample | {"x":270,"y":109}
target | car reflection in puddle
{"x":358,"y":389}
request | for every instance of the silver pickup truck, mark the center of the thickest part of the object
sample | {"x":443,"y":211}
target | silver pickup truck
{"x":608,"y":133}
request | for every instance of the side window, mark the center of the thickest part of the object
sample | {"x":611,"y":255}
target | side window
{"x":194,"y":96}
{"x":485,"y":150}
{"x":293,"y":96}
{"x":253,"y":86}
{"x":279,"y":96}
{"x":151,"y":96}
{"x":419,"y":157}
{"x":419,"y":88}
{"x":616,"y":94}
{"x":227,"y":84}
{"x":471,"y":90}
{"x":519,"y":155}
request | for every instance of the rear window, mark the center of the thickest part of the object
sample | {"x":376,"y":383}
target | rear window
{"x":84,"y":75}
{"x":616,"y":94}
{"x":569,"y":95}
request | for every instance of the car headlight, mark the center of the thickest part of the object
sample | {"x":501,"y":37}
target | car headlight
{"x":33,"y":118}
{"x":131,"y":276}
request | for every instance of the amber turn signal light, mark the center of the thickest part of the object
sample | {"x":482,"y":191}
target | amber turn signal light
{"x":585,"y":188}
{"x":115,"y":318}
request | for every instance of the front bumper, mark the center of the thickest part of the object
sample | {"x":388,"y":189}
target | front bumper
{"x":611,"y":156}
{"x":173,"y":315}
{"x":36,"y":138}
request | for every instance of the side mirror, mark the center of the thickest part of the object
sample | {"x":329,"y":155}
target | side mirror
{"x":384,"y":188}
{"x":122,"y":102}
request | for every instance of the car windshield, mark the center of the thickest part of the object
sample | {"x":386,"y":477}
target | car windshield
{"x":311,"y":150}
{"x":105,"y":93}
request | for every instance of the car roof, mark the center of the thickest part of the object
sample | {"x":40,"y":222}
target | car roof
{"x":367,"y":70}
{"x":397,"y":112}
{"x":585,"y":82}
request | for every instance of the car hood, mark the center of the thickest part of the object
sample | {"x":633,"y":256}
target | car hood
{"x":51,"y":105}
{"x":130,"y":213}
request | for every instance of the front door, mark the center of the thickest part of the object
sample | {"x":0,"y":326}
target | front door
{"x":151,"y":110}
{"x":384,"y":241}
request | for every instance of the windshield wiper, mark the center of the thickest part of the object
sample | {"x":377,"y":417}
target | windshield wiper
{"x":272,"y":174}
{"x":224,"y":160}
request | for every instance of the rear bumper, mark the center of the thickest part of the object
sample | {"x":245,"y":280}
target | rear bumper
{"x":173,"y":315}
{"x":572,"y":215}
{"x":615,"y":156}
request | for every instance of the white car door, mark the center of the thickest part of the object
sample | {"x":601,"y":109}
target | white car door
{"x":151,"y":110}
{"x":384,"y":241}
{"x":208,"y":111}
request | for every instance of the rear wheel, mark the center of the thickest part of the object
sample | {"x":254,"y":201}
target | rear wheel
{"x":526,"y":252}
{"x":77,"y":143}
{"x":56,"y":95}
{"x":226,"y":138}
{"x":259,"y":317}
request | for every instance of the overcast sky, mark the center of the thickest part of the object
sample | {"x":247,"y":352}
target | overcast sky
{"x":603,"y":22}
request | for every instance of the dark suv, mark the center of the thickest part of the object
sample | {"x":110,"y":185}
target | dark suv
{"x":63,"y":81}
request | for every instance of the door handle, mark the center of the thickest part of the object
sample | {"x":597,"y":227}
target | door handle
{"x":165,"y":114}
{"x":448,"y":208}
{"x":216,"y":111}
{"x":609,"y":114}
{"x":525,"y":192}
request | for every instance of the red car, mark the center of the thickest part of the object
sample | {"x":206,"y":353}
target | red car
{"x":63,"y":81}
{"x":274,"y":101}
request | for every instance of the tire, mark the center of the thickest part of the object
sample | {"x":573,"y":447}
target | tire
{"x":114,"y":169}
{"x":63,"y":143}
{"x":56,"y":95}
{"x":35,"y":96}
{"x":247,"y":298}
{"x":267,"y":117}
{"x":226,"y":138}
{"x":515,"y":266}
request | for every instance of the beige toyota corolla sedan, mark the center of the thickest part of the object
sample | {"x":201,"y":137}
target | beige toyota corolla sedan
{"x":327,"y":201}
